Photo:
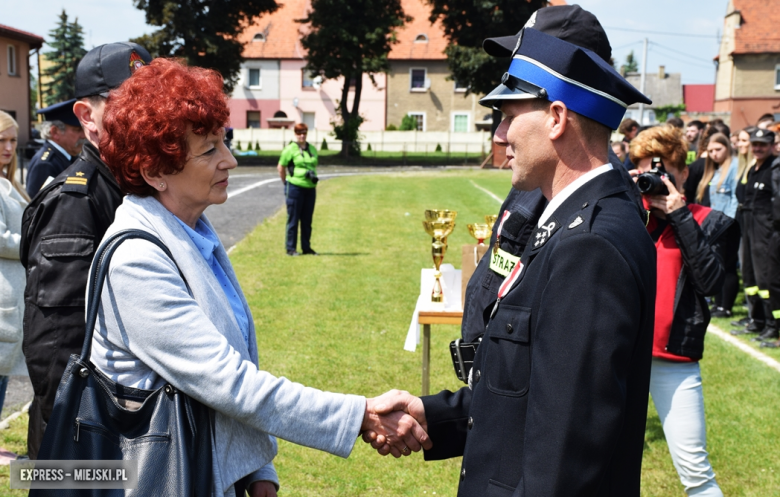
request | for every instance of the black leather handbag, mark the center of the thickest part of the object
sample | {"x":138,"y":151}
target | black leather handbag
{"x":169,"y":434}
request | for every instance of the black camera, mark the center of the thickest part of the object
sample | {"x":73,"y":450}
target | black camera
{"x":311,"y":176}
{"x":650,"y":183}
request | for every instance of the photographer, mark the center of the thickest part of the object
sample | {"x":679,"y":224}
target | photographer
{"x":691,"y":241}
{"x":298,"y":170}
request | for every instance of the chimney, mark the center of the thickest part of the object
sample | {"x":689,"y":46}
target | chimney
{"x":662,"y":72}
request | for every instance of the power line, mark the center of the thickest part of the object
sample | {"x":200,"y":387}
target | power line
{"x":677,"y":52}
{"x":627,"y":45}
{"x":662,"y":33}
{"x":686,"y":61}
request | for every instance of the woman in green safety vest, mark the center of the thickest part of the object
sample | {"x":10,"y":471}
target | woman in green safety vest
{"x":298,"y":170}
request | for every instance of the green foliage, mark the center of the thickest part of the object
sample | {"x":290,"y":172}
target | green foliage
{"x":257,"y":146}
{"x":205,"y":34}
{"x":336,"y":48}
{"x":662,"y":111}
{"x":33,"y":93}
{"x":391,"y":127}
{"x":408,"y":123}
{"x":324,"y":145}
{"x":631,"y":64}
{"x":238,"y":146}
{"x":368,"y":149}
{"x":438,"y":147}
{"x":67,"y":49}
{"x":466,"y":24}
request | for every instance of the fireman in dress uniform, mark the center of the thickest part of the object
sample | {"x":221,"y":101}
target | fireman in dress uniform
{"x":575,"y":25}
{"x":61,"y":230}
{"x":557,"y":401}
{"x":64,"y":138}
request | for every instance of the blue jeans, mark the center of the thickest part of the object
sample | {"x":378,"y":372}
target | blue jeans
{"x":677,"y":395}
{"x":300,"y":209}
{"x":3,"y":387}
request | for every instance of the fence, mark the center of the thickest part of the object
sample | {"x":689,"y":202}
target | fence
{"x":411,"y":142}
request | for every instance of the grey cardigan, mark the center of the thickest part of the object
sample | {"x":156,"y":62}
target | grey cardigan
{"x":12,"y":281}
{"x":151,"y":330}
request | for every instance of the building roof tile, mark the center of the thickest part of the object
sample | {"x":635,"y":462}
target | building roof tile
{"x":34,"y":40}
{"x":758,"y":32}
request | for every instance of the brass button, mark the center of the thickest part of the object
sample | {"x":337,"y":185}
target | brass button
{"x":509,"y":328}
{"x":471,"y":422}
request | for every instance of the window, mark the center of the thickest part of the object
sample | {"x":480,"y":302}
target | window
{"x":420,"y":118}
{"x":253,"y":119}
{"x":777,"y":77}
{"x":460,"y":86}
{"x":259,"y":37}
{"x":417,"y":80}
{"x":308,"y":79}
{"x":12,"y":60}
{"x":460,"y":122}
{"x":254,"y":78}
{"x":421,"y":38}
{"x":308,"y":119}
{"x":280,"y":114}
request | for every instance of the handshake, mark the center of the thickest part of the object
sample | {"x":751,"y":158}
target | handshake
{"x":394,"y":423}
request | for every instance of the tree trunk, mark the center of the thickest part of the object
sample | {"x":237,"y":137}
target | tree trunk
{"x":344,"y":113}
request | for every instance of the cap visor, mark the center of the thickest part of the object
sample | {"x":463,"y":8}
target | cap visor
{"x":500,"y":46}
{"x":494,"y":99}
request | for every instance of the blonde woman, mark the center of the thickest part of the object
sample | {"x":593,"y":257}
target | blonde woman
{"x":13,"y":200}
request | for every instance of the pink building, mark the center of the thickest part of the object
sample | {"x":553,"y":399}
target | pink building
{"x":273,"y":90}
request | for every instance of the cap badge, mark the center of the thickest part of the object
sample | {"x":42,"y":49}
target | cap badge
{"x":531,"y":20}
{"x":136,"y":62}
{"x":760,"y":133}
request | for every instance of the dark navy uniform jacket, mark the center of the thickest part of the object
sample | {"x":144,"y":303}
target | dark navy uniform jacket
{"x":48,"y":161}
{"x":526,"y":207}
{"x":61,"y":229}
{"x":561,"y":379}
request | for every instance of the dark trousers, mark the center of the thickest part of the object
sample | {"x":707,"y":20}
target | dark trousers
{"x":728,"y":294}
{"x":300,"y":209}
{"x":756,"y":266}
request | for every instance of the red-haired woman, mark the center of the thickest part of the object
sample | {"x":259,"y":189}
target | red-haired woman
{"x":298,"y":169}
{"x":163,"y":141}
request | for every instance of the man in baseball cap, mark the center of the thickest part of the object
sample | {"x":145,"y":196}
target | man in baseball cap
{"x":557,"y":397}
{"x":61,"y":229}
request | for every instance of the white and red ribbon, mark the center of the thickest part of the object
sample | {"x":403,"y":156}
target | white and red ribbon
{"x":510,"y":280}
{"x":501,"y":224}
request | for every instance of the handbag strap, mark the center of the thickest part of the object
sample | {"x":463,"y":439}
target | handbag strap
{"x":99,"y":272}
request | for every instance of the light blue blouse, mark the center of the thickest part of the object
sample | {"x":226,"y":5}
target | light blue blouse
{"x":206,"y":241}
{"x":724,"y":199}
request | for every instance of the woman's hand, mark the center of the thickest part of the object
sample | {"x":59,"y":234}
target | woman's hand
{"x":262,"y":488}
{"x":634,"y":173}
{"x":667,"y":203}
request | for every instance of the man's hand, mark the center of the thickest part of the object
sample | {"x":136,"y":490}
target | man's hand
{"x":667,"y":203}
{"x":262,"y":488}
{"x":394,"y":423}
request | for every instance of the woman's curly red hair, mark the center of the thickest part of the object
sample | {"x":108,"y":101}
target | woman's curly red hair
{"x":147,"y":118}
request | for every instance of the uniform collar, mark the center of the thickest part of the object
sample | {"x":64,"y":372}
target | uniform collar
{"x":60,"y":149}
{"x":569,"y":189}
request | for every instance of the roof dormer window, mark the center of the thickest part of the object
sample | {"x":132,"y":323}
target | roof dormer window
{"x":421,"y":38}
{"x":259,"y":37}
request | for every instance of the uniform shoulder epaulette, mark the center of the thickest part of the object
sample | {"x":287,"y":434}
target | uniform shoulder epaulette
{"x":77,"y":179}
{"x":46,"y":154}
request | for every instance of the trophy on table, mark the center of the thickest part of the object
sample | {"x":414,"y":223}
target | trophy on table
{"x":480,"y":231}
{"x":491,"y":220}
{"x":439,"y":224}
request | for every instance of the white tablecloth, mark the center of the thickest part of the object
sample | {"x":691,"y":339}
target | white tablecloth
{"x":450,"y":282}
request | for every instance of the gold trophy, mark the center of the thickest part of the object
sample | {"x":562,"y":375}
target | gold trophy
{"x":480,"y":231}
{"x":491,"y":220}
{"x":439,"y":224}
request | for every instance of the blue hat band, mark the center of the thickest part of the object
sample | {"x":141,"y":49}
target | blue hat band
{"x":580,"y":99}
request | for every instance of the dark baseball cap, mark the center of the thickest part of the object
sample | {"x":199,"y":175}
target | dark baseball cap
{"x":62,"y":111}
{"x":566,"y":22}
{"x":762,"y":136}
{"x":108,"y":66}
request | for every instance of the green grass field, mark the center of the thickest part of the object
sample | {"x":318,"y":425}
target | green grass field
{"x":338,"y":322}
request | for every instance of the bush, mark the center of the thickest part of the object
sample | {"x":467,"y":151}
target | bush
{"x":408,"y":123}
{"x":368,"y":149}
{"x":238,"y":146}
{"x":391,"y":127}
{"x":257,"y":146}
{"x":324,"y":144}
{"x":438,"y":147}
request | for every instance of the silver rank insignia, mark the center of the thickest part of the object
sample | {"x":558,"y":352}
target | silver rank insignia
{"x":543,"y":233}
{"x":578,"y":221}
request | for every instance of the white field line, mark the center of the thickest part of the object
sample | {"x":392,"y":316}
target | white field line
{"x":251,"y":187}
{"x":7,"y":421}
{"x":499,"y":200}
{"x":744,"y":347}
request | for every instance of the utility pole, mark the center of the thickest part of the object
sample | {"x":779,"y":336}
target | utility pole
{"x":642,"y":82}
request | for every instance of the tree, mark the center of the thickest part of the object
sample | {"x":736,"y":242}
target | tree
{"x":630,"y":65}
{"x":350,"y":49}
{"x":67,"y":43}
{"x":663,"y":112}
{"x":204,"y":33}
{"x":466,"y":24}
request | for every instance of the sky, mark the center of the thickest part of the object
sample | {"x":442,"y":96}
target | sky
{"x":683,"y":35}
